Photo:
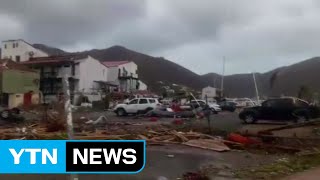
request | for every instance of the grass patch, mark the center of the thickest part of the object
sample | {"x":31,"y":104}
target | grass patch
{"x":282,"y":167}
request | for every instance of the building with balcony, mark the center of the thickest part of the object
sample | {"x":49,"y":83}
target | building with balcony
{"x":124,"y":74}
{"x":85,"y":75}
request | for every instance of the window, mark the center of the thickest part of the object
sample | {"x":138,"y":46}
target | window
{"x":152,"y":101}
{"x":17,"y":58}
{"x":17,"y":44}
{"x":73,"y":70}
{"x":143,"y":101}
{"x":13,"y":45}
{"x":268,"y":103}
{"x":5,"y":46}
{"x":284,"y":103}
{"x":278,"y":103}
{"x":134,"y":101}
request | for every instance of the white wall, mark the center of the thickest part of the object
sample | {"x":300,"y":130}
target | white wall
{"x":209,"y":91}
{"x":131,"y":67}
{"x":142,"y":86}
{"x":22,"y":50}
{"x":91,"y":70}
{"x":113,"y":74}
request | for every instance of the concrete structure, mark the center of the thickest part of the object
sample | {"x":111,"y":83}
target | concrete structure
{"x":19,"y":85}
{"x":123,"y":74}
{"x":19,"y":50}
{"x":86,"y":75}
{"x":209,"y":92}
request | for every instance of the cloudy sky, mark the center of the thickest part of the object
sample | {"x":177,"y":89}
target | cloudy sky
{"x":253,"y":35}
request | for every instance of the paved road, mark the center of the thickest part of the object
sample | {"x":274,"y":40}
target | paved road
{"x":226,"y":121}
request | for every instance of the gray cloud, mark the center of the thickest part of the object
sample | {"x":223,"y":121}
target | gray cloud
{"x":66,"y":23}
{"x":253,"y":35}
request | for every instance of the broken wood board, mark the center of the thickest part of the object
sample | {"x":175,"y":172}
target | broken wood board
{"x":180,"y":136}
{"x":210,"y":144}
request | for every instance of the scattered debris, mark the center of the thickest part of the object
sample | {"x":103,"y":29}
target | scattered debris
{"x":162,"y":178}
{"x":170,"y":155}
{"x":242,"y":139}
{"x":210,"y":144}
{"x":194,"y":176}
{"x":101,"y":119}
{"x":153,"y":119}
{"x":290,"y":126}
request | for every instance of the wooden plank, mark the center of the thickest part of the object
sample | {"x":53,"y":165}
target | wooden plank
{"x":180,"y":136}
{"x":140,"y":136}
{"x":209,"y":144}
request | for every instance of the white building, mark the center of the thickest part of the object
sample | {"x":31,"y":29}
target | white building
{"x":209,"y":92}
{"x":124,"y":74}
{"x":19,"y":50}
{"x":86,"y":75}
{"x":142,"y":86}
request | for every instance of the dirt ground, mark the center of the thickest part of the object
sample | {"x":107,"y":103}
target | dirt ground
{"x":170,"y":161}
{"x":173,"y":161}
{"x":312,"y":174}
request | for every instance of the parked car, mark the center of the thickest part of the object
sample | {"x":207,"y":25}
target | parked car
{"x":228,"y":106}
{"x":244,"y":102}
{"x":7,"y":113}
{"x":136,"y":106}
{"x":282,"y":109}
{"x":215,"y":108}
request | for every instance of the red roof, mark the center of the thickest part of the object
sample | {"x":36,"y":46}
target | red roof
{"x":114,"y":63}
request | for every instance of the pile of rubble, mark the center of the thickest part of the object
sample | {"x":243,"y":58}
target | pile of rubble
{"x":193,"y":139}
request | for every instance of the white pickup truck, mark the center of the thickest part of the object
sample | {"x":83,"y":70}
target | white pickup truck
{"x":136,"y":106}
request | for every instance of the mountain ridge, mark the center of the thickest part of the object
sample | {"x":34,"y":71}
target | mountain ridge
{"x":284,"y":80}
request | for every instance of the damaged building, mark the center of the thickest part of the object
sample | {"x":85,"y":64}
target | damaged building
{"x":84,"y":73}
{"x":87,"y":76}
{"x":19,"y":85}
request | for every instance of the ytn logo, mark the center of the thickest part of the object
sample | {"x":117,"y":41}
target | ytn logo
{"x":32,"y":152}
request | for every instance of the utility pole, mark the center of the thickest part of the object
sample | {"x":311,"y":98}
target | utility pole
{"x":68,"y":114}
{"x":222,"y":78}
{"x":256,"y":87}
